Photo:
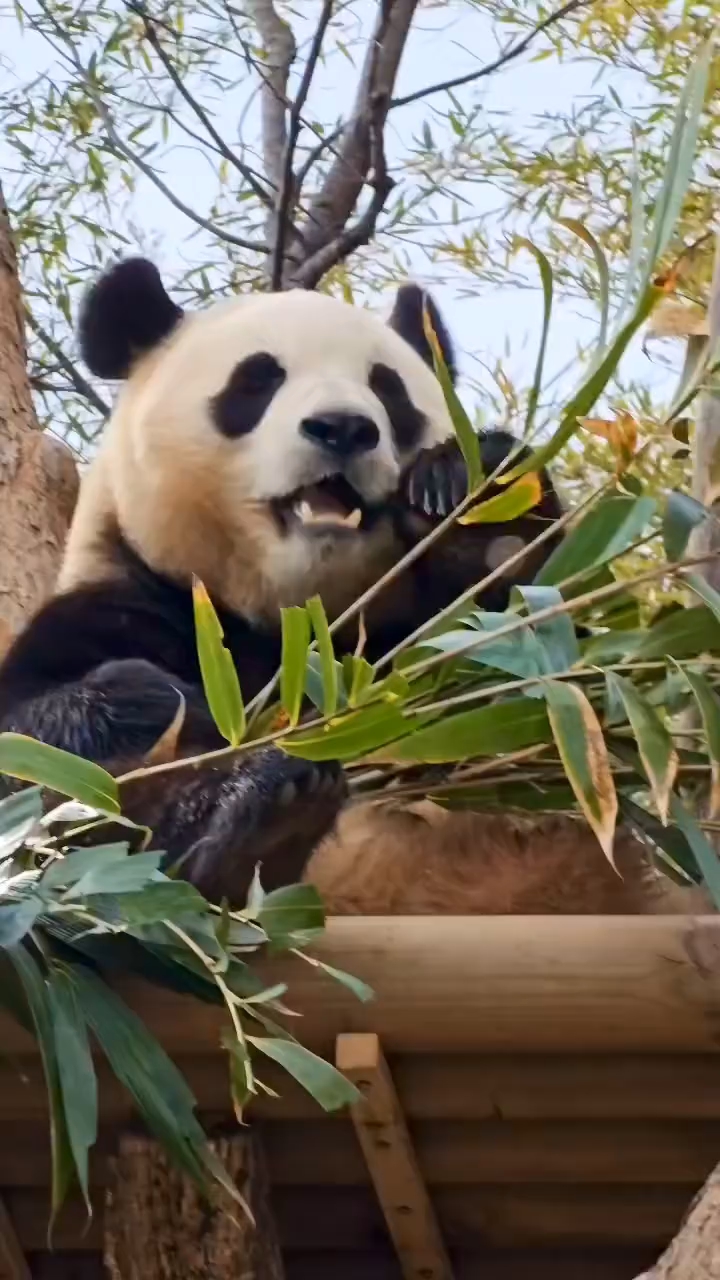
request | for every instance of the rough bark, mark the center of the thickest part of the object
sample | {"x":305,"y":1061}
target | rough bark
{"x":159,"y":1227}
{"x":38,"y":477}
{"x":694,"y":1254}
{"x":706,"y":460}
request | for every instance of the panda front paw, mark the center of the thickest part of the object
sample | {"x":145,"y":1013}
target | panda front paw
{"x":436,"y":482}
{"x":269,"y":809}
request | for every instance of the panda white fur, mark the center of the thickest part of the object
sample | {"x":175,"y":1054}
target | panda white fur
{"x":278,"y":446}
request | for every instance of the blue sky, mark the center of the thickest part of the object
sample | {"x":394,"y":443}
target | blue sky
{"x":447,"y":40}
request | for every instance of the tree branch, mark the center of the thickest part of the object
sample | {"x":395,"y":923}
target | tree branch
{"x":334,"y":204}
{"x":509,"y":55}
{"x":280,"y":48}
{"x":224,"y":150}
{"x":288,"y":187}
{"x":80,"y":383}
{"x":308,"y":275}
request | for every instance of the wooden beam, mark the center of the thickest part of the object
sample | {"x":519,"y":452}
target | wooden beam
{"x":512,"y":984}
{"x":157,"y":1225}
{"x":393,"y":1168}
{"x":13,"y":1265}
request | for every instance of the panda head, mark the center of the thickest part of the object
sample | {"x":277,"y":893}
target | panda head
{"x":257,"y":443}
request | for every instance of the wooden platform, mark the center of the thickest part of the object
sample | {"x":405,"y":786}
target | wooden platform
{"x":559,"y":1079}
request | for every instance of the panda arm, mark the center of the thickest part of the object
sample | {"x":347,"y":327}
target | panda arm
{"x":435,"y":483}
{"x":90,"y":675}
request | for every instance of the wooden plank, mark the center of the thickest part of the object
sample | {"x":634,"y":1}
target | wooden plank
{"x":540,"y":1264}
{"x":501,"y":984}
{"x":471,"y":1218}
{"x":437,"y":1087}
{"x":449,"y":1152}
{"x":385,"y":1143}
{"x":13,"y":1265}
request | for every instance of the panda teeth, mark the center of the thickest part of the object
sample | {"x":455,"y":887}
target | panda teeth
{"x":306,"y":515}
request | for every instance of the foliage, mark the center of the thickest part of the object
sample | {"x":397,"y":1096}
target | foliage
{"x":567,"y":702}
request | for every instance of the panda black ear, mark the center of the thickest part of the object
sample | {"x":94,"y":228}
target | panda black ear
{"x":126,"y":313}
{"x":407,"y":320}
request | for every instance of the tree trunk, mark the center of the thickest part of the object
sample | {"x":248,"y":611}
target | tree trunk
{"x":158,"y":1226}
{"x":38,"y":477}
{"x":695,"y":1252}
{"x":707,"y":448}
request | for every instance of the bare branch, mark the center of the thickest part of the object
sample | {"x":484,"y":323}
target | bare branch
{"x":288,"y":187}
{"x":280,"y":48}
{"x":351,"y":238}
{"x":79,"y":382}
{"x":509,"y":55}
{"x":222,"y":147}
{"x":340,"y":192}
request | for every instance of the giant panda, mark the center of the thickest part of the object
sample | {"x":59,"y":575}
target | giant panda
{"x":278,"y":446}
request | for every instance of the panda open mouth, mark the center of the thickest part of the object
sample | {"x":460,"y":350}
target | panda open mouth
{"x":331,"y":503}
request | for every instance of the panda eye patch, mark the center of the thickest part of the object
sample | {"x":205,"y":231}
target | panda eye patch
{"x":406,"y":421}
{"x":247,"y":394}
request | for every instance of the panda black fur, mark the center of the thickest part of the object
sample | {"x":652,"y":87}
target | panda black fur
{"x":276,"y":446}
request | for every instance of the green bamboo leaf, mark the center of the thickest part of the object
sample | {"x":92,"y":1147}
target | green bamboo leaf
{"x":321,"y":1080}
{"x":486,"y":731}
{"x":670,"y":843}
{"x":295,"y":645}
{"x":162,"y":1097}
{"x":579,"y":229}
{"x":591,"y":389}
{"x":117,"y":875}
{"x":36,"y":994}
{"x":157,"y":901}
{"x":219,"y":677}
{"x":703,"y":851}
{"x":521,"y":496}
{"x":295,"y":908}
{"x":709,"y":708}
{"x":682,"y":515}
{"x":76,"y":1073}
{"x":360,"y":989}
{"x":33,"y":761}
{"x":352,"y":736}
{"x":328,"y":665}
{"x":17,"y":917}
{"x":20,"y":815}
{"x":546,"y":280}
{"x":581,"y":746}
{"x":519,"y":655}
{"x":655,"y":744}
{"x":608,"y":529}
{"x":705,"y":591}
{"x":464,"y":430}
{"x":684,"y":634}
{"x":504,"y":796}
{"x":62,"y":872}
{"x":557,"y":636}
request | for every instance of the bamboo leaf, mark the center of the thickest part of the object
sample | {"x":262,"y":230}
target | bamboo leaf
{"x":581,"y":745}
{"x":293,"y":909}
{"x":546,"y":280}
{"x":485,"y":731}
{"x":703,"y":851}
{"x":219,"y":677}
{"x":559,"y":642}
{"x":682,"y":515}
{"x":709,"y":707}
{"x":463,"y":427}
{"x":328,"y":665}
{"x":36,"y":994}
{"x":17,"y":917}
{"x":76,"y":1073}
{"x":608,"y":529}
{"x":579,"y":229}
{"x":295,"y":645}
{"x":684,"y":633}
{"x":522,"y":496}
{"x":655,"y":744}
{"x":321,"y":1080}
{"x":705,"y":591}
{"x":62,"y":872}
{"x":353,"y":736}
{"x":33,"y":761}
{"x":20,"y":816}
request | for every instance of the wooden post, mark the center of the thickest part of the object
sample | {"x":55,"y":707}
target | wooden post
{"x":706,"y":453}
{"x":159,"y":1227}
{"x":38,"y":478}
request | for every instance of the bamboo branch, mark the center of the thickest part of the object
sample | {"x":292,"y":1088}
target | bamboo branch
{"x":79,"y":382}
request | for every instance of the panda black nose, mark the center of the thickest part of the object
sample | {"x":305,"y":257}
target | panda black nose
{"x":344,"y":434}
